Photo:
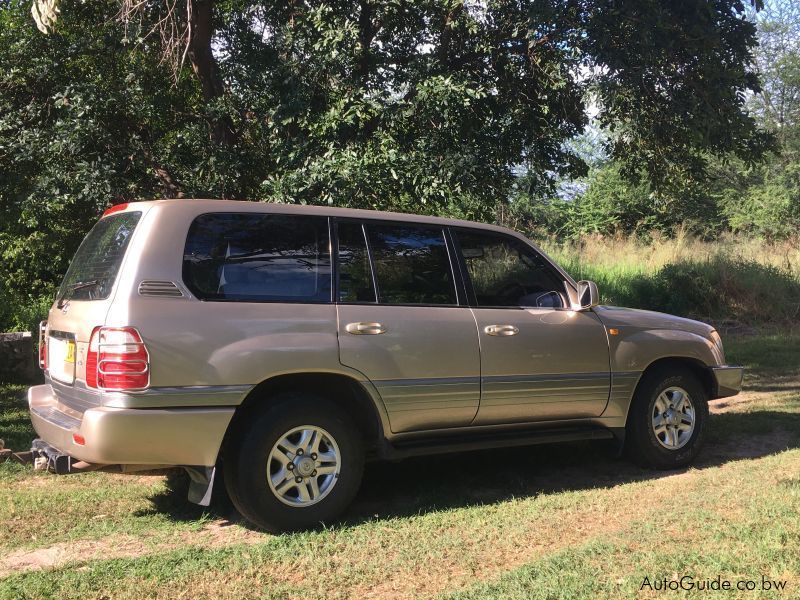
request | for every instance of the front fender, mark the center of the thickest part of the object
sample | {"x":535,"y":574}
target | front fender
{"x":637,"y":350}
{"x":631,"y":354}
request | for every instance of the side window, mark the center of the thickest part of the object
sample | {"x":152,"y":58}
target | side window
{"x":258,"y":257}
{"x":355,"y":274}
{"x":411,"y":264}
{"x":506,"y":272}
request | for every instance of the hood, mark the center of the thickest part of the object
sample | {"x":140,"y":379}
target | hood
{"x":634,"y":318}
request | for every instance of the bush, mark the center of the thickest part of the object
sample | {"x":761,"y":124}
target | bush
{"x":722,"y":290}
{"x":731,"y":280}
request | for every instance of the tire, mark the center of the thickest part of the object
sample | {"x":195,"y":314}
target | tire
{"x":250,"y":461}
{"x":667,"y":443}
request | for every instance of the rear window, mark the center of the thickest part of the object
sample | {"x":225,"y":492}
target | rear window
{"x":258,"y":258}
{"x":94,"y":268}
{"x":411,"y":265}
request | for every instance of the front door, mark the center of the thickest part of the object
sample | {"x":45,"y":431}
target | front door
{"x":401,"y":325}
{"x":539,"y":359}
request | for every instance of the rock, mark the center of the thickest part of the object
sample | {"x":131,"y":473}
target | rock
{"x":18,"y":361}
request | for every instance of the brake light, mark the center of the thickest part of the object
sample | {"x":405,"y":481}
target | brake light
{"x":115,"y":209}
{"x":43,"y":345}
{"x":91,"y":358}
{"x":117,"y":359}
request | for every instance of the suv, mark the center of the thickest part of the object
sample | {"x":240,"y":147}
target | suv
{"x":288,"y":344}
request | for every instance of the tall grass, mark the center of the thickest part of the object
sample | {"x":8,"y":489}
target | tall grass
{"x":732,"y":281}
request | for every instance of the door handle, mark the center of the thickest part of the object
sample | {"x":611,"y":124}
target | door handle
{"x":501,"y":330}
{"x":365,"y":328}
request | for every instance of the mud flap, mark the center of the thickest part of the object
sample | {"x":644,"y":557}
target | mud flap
{"x":201,"y":484}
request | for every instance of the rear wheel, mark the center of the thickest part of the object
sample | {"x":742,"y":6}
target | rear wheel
{"x":666,"y":425}
{"x":297,"y":465}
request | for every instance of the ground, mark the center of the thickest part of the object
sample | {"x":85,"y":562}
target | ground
{"x":569,"y":521}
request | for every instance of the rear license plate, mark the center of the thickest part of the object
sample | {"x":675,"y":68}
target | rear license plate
{"x":61,"y":359}
{"x":70,"y":352}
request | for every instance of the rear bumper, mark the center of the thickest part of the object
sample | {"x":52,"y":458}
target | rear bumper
{"x":173,"y":436}
{"x":727,"y":380}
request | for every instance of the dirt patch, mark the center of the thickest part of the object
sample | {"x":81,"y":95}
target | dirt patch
{"x":215,"y":534}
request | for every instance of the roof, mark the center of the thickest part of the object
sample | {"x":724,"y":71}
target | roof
{"x":203,"y":204}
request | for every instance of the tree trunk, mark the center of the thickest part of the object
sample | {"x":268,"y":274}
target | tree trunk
{"x":205,"y":67}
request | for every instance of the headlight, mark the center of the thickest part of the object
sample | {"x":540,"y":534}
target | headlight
{"x":718,"y":344}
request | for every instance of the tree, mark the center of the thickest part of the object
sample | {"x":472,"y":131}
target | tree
{"x":764,"y":199}
{"x":777,"y":60}
{"x":428,"y":106}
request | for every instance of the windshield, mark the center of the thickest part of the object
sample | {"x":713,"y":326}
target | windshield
{"x":94,"y":268}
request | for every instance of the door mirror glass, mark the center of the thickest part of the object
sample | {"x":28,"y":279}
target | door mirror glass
{"x":588,"y":296}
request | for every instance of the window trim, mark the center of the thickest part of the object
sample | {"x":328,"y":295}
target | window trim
{"x":452,"y":257}
{"x":194,"y":293}
{"x":337,"y":267}
{"x":473,"y":300}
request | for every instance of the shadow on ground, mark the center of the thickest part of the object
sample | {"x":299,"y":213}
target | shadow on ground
{"x":428,"y":484}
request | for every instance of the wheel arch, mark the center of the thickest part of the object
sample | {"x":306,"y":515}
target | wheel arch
{"x":694,"y":365}
{"x":347,"y":392}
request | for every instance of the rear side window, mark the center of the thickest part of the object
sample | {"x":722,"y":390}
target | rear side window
{"x":258,"y":258}
{"x":411,"y":265}
{"x":94,"y":268}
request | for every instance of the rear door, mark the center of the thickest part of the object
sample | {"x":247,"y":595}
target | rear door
{"x":402,"y":323}
{"x":83,"y":300}
{"x":539,"y":359}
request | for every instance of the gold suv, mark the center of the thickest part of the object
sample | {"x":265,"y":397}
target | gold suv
{"x":282,"y":346}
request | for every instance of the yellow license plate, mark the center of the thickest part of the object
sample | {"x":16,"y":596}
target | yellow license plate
{"x":70,"y":352}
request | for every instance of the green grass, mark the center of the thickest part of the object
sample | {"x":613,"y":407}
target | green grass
{"x":89,"y":506}
{"x":774,"y":355}
{"x":15,"y":425}
{"x":745,"y":533}
{"x":561,"y":521}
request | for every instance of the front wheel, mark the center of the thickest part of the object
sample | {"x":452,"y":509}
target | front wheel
{"x":297,"y":465}
{"x":666,"y":424}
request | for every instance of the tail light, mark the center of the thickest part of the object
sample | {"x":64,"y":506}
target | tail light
{"x":117,"y":359}
{"x":43,"y":344}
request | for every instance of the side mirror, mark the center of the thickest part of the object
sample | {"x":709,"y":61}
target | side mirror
{"x":588,"y":296}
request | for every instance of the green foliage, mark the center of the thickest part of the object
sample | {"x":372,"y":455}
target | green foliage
{"x":423,"y":106}
{"x":769,"y":207}
{"x":612,"y":205}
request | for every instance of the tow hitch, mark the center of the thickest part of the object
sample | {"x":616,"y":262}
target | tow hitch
{"x":47,"y":458}
{"x":44,"y":457}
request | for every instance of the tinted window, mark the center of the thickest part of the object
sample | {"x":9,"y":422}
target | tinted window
{"x":258,"y":257}
{"x":507,"y":272}
{"x":411,"y":265}
{"x":94,"y":268}
{"x":355,"y":275}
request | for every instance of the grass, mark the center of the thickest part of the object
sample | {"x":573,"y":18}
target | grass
{"x":561,"y":521}
{"x":15,"y":425}
{"x":731,"y":282}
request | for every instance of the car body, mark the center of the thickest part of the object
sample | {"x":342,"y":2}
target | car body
{"x":424,"y":334}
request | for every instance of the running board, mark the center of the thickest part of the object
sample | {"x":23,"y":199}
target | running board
{"x":465,"y":443}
